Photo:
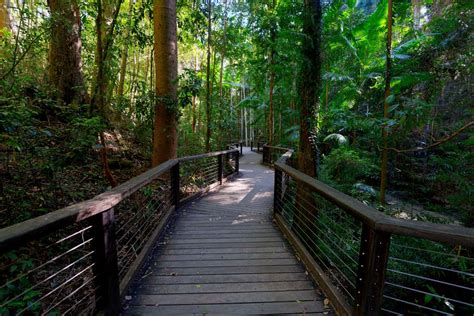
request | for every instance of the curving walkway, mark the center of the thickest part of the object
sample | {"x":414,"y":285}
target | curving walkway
{"x":223,"y":255}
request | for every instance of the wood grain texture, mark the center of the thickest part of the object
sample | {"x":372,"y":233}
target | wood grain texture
{"x":224,"y":255}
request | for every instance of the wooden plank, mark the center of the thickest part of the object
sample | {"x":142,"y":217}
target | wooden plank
{"x":211,"y":227}
{"x":181,"y":235}
{"x":270,"y":308}
{"x":146,"y":289}
{"x":176,"y":241}
{"x":241,"y":230}
{"x":235,"y":256}
{"x":220,"y":222}
{"x":225,"y":278}
{"x":225,"y":298}
{"x":225,"y":251}
{"x":229,"y":245}
{"x":226,"y":263}
{"x":228,"y":270}
{"x":220,"y":226}
{"x":225,"y":215}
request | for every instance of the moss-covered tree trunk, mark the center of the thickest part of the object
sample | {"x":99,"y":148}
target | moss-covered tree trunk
{"x":65,"y":64}
{"x":165,"y":139}
{"x":310,"y":84}
{"x":310,"y":87}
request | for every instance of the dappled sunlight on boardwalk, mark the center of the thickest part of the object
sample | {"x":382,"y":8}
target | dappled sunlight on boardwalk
{"x":223,"y":255}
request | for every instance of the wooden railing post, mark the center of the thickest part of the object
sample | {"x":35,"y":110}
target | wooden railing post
{"x":175,"y":184}
{"x":105,"y":263}
{"x":220,"y":168}
{"x":237,"y":157}
{"x":277,"y":191}
{"x":267,"y":155}
{"x":373,"y":257}
{"x":251,"y":145}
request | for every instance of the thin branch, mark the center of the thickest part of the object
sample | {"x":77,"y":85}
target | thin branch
{"x":18,"y":60}
{"x":437,"y":143}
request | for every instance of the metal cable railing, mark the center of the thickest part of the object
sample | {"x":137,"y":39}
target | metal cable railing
{"x":368,"y":263}
{"x":425,"y":276}
{"x":50,"y":274}
{"x":81,"y":259}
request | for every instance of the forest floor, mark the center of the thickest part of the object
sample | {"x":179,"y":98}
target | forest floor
{"x":412,"y":210}
{"x":44,"y":176}
{"x":57,"y":164}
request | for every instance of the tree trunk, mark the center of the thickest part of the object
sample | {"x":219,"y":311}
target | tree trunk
{"x":165,"y":140}
{"x":193,"y":100}
{"x":100,"y":92}
{"x":388,"y":71}
{"x":270,"y":101}
{"x":272,"y":78}
{"x":5,"y":23}
{"x":152,"y":77}
{"x":208,"y":76}
{"x":65,"y":64}
{"x":310,"y":84}
{"x":123,"y":62}
{"x":221,"y":75}
{"x":416,"y":5}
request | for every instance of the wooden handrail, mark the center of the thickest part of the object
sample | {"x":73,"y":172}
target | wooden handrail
{"x":454,"y":235}
{"x":207,"y":155}
{"x":374,"y":247}
{"x":12,"y":235}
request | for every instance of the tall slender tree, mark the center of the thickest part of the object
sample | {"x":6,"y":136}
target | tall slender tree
{"x":273,"y":33}
{"x":388,"y":76}
{"x":165,"y":139}
{"x":208,"y":77}
{"x":65,"y":64}
{"x":124,"y":57}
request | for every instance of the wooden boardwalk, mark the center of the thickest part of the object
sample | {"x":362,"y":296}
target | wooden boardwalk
{"x":223,"y":255}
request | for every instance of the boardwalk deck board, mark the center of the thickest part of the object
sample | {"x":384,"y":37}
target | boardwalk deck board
{"x":224,"y":255}
{"x":295,"y":268}
{"x":226,"y":278}
{"x":272,"y":308}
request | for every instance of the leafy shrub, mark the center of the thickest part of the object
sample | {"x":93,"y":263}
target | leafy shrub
{"x":344,"y":166}
{"x":84,"y":136}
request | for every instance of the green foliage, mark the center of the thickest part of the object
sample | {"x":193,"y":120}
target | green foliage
{"x":344,"y":166}
{"x":190,"y":85}
{"x":20,"y":289}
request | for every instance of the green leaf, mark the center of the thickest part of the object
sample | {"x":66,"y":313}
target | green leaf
{"x":338,"y":138}
{"x":428,"y":298}
{"x":390,"y":99}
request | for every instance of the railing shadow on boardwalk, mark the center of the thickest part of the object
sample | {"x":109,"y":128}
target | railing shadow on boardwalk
{"x":82,"y":259}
